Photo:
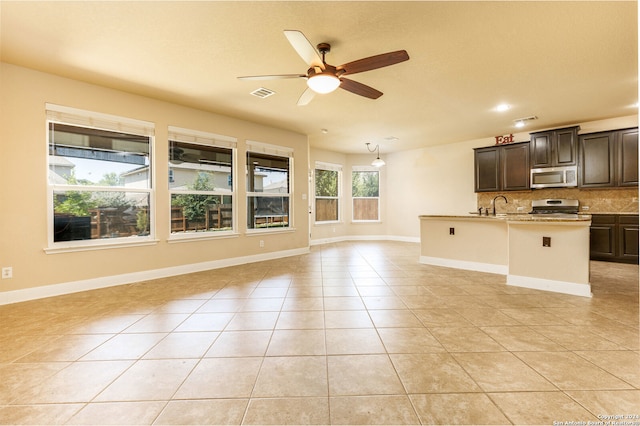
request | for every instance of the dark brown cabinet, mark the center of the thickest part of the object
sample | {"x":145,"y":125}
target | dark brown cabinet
{"x":502,"y":168}
{"x":554,"y":148}
{"x":609,"y":159}
{"x":614,"y":238}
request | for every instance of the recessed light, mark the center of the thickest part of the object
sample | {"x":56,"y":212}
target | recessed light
{"x":391,"y":139}
{"x":503,"y":107}
{"x":324,"y":131}
{"x":520,"y":122}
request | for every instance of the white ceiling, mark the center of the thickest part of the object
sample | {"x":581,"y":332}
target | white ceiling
{"x":564,"y":62}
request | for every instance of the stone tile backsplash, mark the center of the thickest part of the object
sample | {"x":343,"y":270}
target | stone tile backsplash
{"x":606,"y":200}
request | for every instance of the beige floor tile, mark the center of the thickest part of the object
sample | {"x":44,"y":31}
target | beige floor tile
{"x":297,"y":292}
{"x":394,"y":318}
{"x":340,"y":291}
{"x":376,"y":291}
{"x":300,"y":320}
{"x":66,"y":348}
{"x":538,"y":408}
{"x":576,"y":337}
{"x":502,"y":372}
{"x":342,"y":341}
{"x":457,"y":409}
{"x":383,"y":302}
{"x":347,"y":319}
{"x":221,"y":378}
{"x":240,"y":344}
{"x":372,"y":410}
{"x":522,"y":338}
{"x":465,"y":339}
{"x":15,"y":347}
{"x":441,"y":317}
{"x":222,"y":305}
{"x":46,"y":414}
{"x":292,"y":376}
{"x":150,"y":380}
{"x":287,"y":411}
{"x":214,"y":321}
{"x":605,"y":403}
{"x":263,"y":304}
{"x":79,"y":382}
{"x":409,"y":340}
{"x":157,"y":323}
{"x":297,"y":342}
{"x":432,"y":373}
{"x":203,"y":412}
{"x":622,"y":364}
{"x":253,"y":321}
{"x":125,"y":346}
{"x":569,"y":371}
{"x":269,"y":292}
{"x":534,"y":316}
{"x":182,"y":345}
{"x":362,"y":375}
{"x":19,"y":378}
{"x":118,"y":413}
{"x":182,"y":306}
{"x":486,"y":317}
{"x":108,"y":324}
{"x":303,"y":304}
{"x":343,"y":303}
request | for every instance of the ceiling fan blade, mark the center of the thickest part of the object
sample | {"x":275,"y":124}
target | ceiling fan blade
{"x":271,"y":77}
{"x":306,"y":97}
{"x":305,"y":49}
{"x":359,"y":88}
{"x":374,"y":62}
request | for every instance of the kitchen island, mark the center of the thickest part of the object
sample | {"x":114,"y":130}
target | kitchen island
{"x":533,"y":251}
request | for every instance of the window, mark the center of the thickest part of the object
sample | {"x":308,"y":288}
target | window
{"x":365,"y":191}
{"x":200,"y":182}
{"x":327,"y":192}
{"x":99,"y":179}
{"x":268,"y":186}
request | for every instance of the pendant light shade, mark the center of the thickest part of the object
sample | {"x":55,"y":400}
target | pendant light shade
{"x":378,"y":162}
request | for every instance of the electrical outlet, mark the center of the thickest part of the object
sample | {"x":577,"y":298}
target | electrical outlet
{"x":546,"y":241}
{"x":452,"y":231}
{"x":261,"y":243}
{"x":7,"y":272}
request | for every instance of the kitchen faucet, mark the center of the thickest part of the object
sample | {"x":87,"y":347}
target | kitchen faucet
{"x":494,"y":202}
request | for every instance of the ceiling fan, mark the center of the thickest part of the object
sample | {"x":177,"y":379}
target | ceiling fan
{"x":324,"y":78}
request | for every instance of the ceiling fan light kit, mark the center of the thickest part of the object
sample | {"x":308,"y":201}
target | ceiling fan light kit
{"x":323,"y":83}
{"x":325,"y":78}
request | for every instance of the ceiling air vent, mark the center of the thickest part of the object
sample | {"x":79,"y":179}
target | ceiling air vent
{"x":263,"y":93}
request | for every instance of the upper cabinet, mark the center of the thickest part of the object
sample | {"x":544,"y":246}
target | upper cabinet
{"x":502,"y":167}
{"x":554,"y":148}
{"x":609,"y":159}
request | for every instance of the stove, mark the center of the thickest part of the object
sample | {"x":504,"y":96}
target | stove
{"x":558,"y":207}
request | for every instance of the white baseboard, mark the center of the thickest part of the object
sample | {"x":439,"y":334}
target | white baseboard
{"x":33,"y":293}
{"x":575,"y":289}
{"x":467,"y":265}
{"x":364,"y":238}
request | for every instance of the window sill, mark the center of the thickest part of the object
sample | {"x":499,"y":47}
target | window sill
{"x":101,"y":245}
{"x":269,"y":231}
{"x":200,"y":236}
{"x":328,"y":223}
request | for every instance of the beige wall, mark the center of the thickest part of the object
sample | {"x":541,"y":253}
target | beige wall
{"x":23,"y":173}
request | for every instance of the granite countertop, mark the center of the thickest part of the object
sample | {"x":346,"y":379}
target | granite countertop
{"x":516,"y":217}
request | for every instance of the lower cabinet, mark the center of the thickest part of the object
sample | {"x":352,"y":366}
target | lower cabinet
{"x":614,"y":238}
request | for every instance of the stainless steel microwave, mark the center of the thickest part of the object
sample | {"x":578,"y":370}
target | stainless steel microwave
{"x":554,"y":177}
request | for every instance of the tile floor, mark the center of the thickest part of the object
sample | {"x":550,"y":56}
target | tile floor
{"x":352,"y":333}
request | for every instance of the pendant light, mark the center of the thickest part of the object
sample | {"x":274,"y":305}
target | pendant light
{"x":378,"y":162}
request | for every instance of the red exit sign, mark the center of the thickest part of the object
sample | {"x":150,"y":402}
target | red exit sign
{"x":504,"y":139}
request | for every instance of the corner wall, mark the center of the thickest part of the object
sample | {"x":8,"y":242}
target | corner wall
{"x":23,"y":192}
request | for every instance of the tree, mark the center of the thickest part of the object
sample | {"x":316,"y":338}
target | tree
{"x":195,"y":206}
{"x":365,"y":184}
{"x":326,"y":183}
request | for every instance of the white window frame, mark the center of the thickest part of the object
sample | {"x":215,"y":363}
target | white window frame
{"x":99,"y":121}
{"x":319,"y":165}
{"x":366,"y":169}
{"x":277,"y":151}
{"x":197,"y":137}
